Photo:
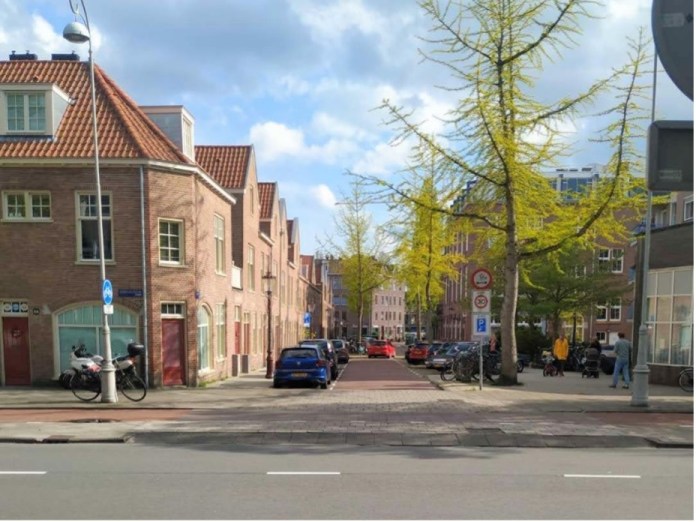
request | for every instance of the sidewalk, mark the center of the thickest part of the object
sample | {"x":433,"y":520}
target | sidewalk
{"x":542,"y":412}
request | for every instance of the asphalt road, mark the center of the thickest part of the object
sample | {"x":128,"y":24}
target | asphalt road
{"x":380,"y":374}
{"x":205,"y":481}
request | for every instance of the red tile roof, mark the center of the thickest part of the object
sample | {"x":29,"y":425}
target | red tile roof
{"x":125,"y":132}
{"x":266,"y":193}
{"x":226,"y":164}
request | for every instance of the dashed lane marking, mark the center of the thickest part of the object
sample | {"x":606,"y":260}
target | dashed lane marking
{"x":22,"y":472}
{"x":568,"y":475}
{"x":303,"y":473}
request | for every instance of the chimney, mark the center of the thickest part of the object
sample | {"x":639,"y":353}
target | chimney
{"x":63,"y":57}
{"x":25,"y":56}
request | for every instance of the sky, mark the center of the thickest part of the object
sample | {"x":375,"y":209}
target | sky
{"x":300,"y":80}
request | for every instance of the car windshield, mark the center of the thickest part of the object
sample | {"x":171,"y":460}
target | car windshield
{"x":318,"y":344}
{"x":441,"y":352}
{"x":300,"y":353}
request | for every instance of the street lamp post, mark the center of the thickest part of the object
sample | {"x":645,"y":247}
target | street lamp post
{"x":78,"y":32}
{"x":268,"y":278}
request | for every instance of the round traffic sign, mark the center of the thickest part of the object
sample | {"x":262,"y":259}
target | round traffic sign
{"x":481,"y":301}
{"x":481,"y":279}
{"x":107,"y":292}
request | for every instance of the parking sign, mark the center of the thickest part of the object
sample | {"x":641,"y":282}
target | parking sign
{"x":481,"y":324}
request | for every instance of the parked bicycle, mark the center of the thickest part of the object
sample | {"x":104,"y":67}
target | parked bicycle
{"x":86,"y":383}
{"x":686,"y":379}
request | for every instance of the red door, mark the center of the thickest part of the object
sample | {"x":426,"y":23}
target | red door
{"x":173,"y":352}
{"x":237,"y":334}
{"x":15,"y":343}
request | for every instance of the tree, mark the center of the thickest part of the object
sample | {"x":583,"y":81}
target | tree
{"x":565,"y":283}
{"x":502,"y":138}
{"x":362,"y":261}
{"x":423,"y":237}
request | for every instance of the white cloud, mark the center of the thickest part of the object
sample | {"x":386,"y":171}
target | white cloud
{"x":326,"y":124}
{"x":323,"y":195}
{"x":273,"y":140}
{"x":328,"y":21}
{"x":384,"y":159}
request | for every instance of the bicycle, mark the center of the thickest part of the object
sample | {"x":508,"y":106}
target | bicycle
{"x":86,"y":383}
{"x":686,"y":379}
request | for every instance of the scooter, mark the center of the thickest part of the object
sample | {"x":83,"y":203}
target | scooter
{"x":80,"y":359}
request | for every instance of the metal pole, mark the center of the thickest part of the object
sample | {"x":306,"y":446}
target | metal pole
{"x":481,"y":364}
{"x":107,"y":371}
{"x":641,"y":371}
{"x":269,"y":355}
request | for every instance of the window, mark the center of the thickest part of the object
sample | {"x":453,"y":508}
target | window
{"x":88,"y":227}
{"x":219,"y":235}
{"x":615,"y":310}
{"x":611,"y":260}
{"x":26,"y":112}
{"x":204,"y":351}
{"x":689,"y":209}
{"x":251,"y":275}
{"x":171,"y":242}
{"x":172,"y":310}
{"x":27,"y":206}
{"x":602,"y":337}
{"x":602,"y":313}
{"x":220,"y":330}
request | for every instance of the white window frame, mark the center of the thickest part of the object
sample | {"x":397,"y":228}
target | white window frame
{"x":605,"y":315}
{"x":26,"y":121}
{"x":93,"y":216}
{"x":170,"y":310}
{"x":614,"y":309}
{"x":168,"y":248}
{"x":219,"y":238}
{"x":28,"y":205}
{"x":617,"y":256}
{"x":689,"y":208}
{"x":220,"y":331}
{"x":203,"y":338}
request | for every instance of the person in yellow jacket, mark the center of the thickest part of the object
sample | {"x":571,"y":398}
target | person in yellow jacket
{"x":560,"y":352}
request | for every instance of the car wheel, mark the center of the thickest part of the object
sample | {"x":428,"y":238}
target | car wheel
{"x":276,"y":384}
{"x":324,"y":385}
{"x":520,"y":367}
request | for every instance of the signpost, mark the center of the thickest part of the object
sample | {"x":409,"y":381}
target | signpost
{"x":481,"y":282}
{"x":107,"y":296}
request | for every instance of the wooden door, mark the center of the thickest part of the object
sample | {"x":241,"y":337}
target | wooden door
{"x":15,"y":342}
{"x":173,"y":352}
{"x":237,"y":348}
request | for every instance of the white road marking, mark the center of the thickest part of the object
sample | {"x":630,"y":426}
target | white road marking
{"x":22,"y":472}
{"x":303,"y":473}
{"x":568,"y":475}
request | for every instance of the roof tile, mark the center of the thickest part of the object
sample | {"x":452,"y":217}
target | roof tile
{"x":226,"y":164}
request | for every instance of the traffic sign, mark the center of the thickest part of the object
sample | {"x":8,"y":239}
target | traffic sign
{"x":481,"y":324}
{"x":307,"y":319}
{"x":481,"y":301}
{"x":107,"y":292}
{"x":481,"y":279}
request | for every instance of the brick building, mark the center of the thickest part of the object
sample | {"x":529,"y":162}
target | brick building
{"x":188,"y":235}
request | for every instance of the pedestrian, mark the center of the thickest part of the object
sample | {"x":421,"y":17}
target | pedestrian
{"x":493,"y":344}
{"x":596,"y":344}
{"x":622,"y":349}
{"x":560,"y":352}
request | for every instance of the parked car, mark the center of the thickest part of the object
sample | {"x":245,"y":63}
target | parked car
{"x":328,"y":350}
{"x":607,"y":359}
{"x":378,"y":348}
{"x":445,"y":356}
{"x":299,"y":364}
{"x":342,"y":351}
{"x":417,"y":353}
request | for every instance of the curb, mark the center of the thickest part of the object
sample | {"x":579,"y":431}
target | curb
{"x":473,"y":438}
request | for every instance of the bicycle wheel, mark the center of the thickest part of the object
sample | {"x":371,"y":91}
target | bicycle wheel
{"x":85,"y":387}
{"x":447,"y":373}
{"x":132,"y":386}
{"x":686,"y":380}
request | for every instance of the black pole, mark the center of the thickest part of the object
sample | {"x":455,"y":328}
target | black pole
{"x":269,"y":354}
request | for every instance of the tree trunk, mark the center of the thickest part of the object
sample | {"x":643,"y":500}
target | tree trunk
{"x":508,"y":313}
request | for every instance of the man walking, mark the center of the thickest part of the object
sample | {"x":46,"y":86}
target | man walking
{"x":560,"y":352}
{"x":622,"y":349}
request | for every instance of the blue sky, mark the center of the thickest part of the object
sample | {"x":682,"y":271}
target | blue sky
{"x":299,"y":79}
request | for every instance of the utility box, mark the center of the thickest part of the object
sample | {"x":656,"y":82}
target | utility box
{"x":671,"y":156}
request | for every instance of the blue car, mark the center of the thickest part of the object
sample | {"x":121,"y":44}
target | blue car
{"x":302,"y":364}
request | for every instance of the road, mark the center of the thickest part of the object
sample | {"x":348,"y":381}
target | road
{"x":206,"y":481}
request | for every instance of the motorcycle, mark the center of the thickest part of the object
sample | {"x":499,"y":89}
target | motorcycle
{"x":78,"y":357}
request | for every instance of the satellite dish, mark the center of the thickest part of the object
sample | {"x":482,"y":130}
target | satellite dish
{"x":673,"y":32}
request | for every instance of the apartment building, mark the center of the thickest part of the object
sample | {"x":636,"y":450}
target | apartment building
{"x":606,"y":319}
{"x":189,"y":233}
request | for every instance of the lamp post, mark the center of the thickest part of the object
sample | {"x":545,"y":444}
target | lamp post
{"x":78,"y":32}
{"x":268,"y":279}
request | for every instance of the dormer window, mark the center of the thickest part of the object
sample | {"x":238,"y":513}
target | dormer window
{"x":31,"y":109}
{"x":26,"y":112}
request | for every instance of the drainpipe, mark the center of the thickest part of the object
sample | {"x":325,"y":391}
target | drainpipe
{"x":144,"y":268}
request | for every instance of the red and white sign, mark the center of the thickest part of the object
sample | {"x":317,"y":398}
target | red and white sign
{"x":481,"y":301}
{"x":481,"y":279}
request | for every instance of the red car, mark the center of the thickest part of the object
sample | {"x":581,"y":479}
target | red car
{"x":381,"y":348}
{"x":417,"y":353}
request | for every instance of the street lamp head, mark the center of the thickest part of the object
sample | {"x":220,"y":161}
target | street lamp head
{"x":76,"y":32}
